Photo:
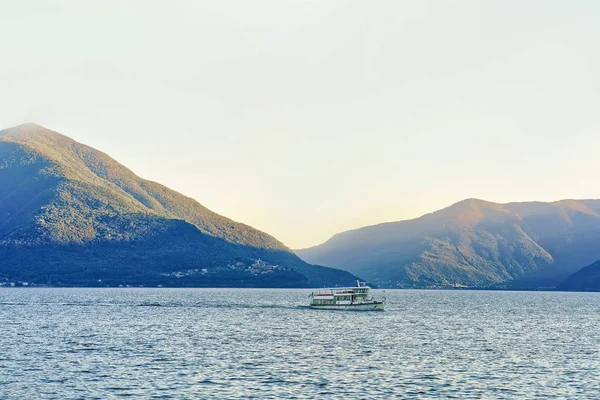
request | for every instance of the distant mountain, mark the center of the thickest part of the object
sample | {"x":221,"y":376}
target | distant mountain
{"x":472,"y":243}
{"x":586,"y":279}
{"x":71,"y":215}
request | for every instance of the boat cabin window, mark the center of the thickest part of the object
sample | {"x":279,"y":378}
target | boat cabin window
{"x":323,"y":302}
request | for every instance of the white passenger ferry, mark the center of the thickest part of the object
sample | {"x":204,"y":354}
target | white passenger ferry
{"x":348,"y":298}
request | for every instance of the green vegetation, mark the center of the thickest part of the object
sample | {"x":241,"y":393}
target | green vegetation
{"x":71,"y":215}
{"x":472,"y":243}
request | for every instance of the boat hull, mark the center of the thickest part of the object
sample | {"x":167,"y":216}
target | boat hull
{"x":375,"y":306}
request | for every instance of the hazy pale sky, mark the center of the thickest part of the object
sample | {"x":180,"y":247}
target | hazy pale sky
{"x":306,"y":118}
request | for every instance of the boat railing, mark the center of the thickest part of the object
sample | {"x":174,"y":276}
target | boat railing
{"x":341,"y":291}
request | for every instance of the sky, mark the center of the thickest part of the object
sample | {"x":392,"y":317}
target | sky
{"x":305,"y":118}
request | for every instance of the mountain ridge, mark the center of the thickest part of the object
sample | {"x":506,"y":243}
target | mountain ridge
{"x":60,"y":199}
{"x":97,"y":170}
{"x":586,"y":279}
{"x":471,"y":243}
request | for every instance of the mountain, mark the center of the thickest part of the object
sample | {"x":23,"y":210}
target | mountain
{"x":71,"y":215}
{"x":472,"y":243}
{"x":586,"y":279}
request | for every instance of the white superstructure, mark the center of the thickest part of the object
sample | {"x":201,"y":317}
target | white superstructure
{"x":347,"y":298}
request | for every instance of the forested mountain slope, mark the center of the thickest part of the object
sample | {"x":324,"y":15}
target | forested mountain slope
{"x":71,"y":215}
{"x":472,"y":243}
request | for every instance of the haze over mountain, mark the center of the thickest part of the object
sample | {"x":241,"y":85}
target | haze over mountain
{"x":327,"y":115}
{"x":71,"y":215}
{"x":472,"y":243}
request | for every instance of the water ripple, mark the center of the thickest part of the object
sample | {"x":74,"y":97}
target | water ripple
{"x":223,"y":343}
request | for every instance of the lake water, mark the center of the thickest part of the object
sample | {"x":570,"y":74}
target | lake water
{"x":238,"y":343}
